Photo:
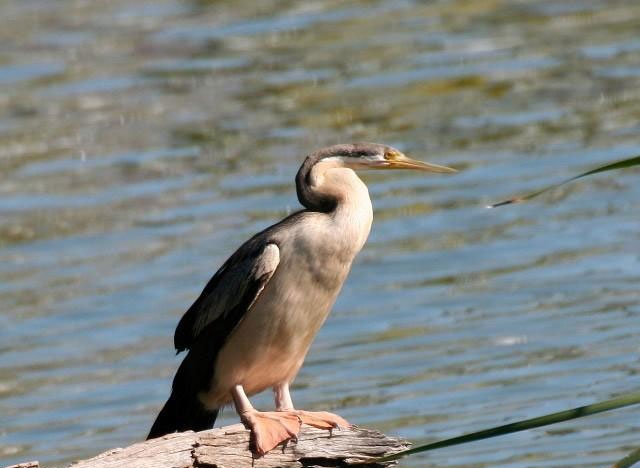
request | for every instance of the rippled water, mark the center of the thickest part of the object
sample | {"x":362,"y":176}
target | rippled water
{"x":140,"y":143}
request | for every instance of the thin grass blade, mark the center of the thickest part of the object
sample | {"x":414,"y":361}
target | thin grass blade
{"x":526,"y":424}
{"x":628,"y":461}
{"x":622,"y":164}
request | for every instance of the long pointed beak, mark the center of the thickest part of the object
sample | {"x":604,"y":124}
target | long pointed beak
{"x":397,"y":160}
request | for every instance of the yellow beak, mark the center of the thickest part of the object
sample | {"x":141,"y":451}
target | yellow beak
{"x":397,"y":160}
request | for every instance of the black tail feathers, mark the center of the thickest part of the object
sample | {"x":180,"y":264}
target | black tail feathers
{"x":182,"y":414}
{"x":183,"y":410}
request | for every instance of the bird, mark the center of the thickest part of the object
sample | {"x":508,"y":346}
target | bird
{"x":251,"y":327}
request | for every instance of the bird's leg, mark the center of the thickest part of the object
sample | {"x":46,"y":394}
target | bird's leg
{"x":268,"y":429}
{"x":319,"y":419}
{"x":283,"y":397}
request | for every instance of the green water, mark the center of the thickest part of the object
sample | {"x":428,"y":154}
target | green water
{"x":142,"y":142}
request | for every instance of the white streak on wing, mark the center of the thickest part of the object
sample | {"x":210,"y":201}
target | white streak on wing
{"x":268,"y":260}
{"x":232,"y":288}
{"x":268,"y":263}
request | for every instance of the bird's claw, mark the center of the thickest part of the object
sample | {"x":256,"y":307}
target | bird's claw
{"x":270,"y":429}
{"x":323,"y":420}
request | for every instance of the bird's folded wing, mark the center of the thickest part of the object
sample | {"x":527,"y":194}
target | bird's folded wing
{"x":231,"y":291}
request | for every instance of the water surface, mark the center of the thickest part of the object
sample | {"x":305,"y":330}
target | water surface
{"x":141,"y":142}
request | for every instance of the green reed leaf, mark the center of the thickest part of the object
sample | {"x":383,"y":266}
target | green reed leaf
{"x":526,"y":424}
{"x":629,"y":460}
{"x":622,"y":164}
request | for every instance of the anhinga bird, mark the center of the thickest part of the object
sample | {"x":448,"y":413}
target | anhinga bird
{"x":252,"y":326}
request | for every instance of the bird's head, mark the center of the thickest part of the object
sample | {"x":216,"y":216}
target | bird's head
{"x":372,"y":156}
{"x":321,"y":181}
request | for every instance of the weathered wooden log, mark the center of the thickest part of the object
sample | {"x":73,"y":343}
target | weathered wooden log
{"x":228,"y":447}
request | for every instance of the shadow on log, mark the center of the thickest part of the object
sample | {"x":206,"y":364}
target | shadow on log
{"x":228,"y":447}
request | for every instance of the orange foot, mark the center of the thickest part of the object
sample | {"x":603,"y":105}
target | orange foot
{"x":323,"y":420}
{"x":270,"y":429}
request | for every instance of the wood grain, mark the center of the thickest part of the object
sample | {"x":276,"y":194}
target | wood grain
{"x":228,"y":447}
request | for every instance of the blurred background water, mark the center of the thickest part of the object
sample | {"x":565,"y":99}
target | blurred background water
{"x":142,"y":141}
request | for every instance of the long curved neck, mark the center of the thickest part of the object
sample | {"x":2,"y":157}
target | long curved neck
{"x":310,"y":187}
{"x":329,"y":187}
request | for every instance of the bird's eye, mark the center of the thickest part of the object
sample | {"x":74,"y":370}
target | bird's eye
{"x":391,"y":155}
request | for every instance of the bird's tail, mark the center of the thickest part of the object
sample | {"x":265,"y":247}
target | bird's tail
{"x":180,"y":414}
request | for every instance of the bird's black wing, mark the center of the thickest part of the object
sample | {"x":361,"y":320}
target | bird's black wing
{"x":231,"y":291}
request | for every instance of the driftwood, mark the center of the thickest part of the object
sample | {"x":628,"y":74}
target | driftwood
{"x":228,"y":447}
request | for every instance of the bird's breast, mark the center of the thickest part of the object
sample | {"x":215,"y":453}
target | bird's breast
{"x":271,"y":341}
